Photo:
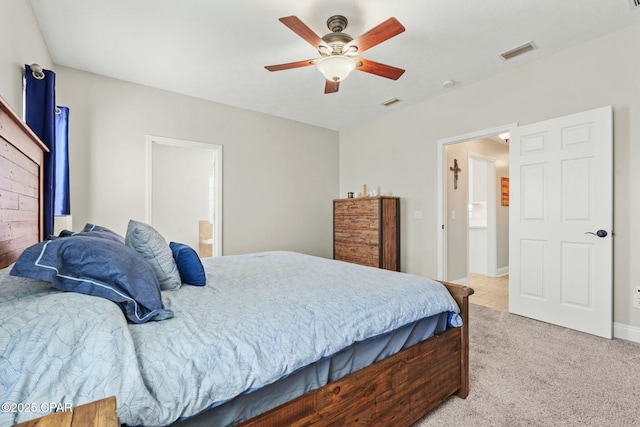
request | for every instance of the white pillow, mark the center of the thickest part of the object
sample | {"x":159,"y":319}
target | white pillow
{"x":154,"y":248}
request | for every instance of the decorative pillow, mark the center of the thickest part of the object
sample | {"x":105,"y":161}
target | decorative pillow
{"x":100,"y":231}
{"x":189,"y":264}
{"x":27,"y":264}
{"x":152,"y":246}
{"x":98,"y":267}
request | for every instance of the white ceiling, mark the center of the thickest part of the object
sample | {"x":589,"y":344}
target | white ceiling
{"x":217,"y":50}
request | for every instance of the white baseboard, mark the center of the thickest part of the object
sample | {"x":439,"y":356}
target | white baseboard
{"x":502,"y":271}
{"x":626,"y":332}
{"x":464,"y":281}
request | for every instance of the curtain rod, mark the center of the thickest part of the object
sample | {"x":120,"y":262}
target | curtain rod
{"x":37,"y":72}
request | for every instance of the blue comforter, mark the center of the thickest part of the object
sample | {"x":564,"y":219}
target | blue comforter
{"x":260,"y":317}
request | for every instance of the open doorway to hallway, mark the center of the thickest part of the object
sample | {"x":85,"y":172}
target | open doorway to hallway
{"x":485,"y":227}
{"x":184,"y":192}
{"x":475,"y":221}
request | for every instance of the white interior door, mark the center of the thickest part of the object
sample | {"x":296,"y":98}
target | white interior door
{"x":561,"y":190}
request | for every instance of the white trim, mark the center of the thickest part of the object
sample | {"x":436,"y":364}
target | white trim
{"x":217,"y":152}
{"x":464,"y":281}
{"x":442,"y":244}
{"x":626,"y":332}
{"x":502,"y":271}
{"x":492,"y":249}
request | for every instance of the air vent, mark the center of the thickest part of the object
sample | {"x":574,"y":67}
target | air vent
{"x":635,"y":4}
{"x":389,"y":102}
{"x":519,"y":50}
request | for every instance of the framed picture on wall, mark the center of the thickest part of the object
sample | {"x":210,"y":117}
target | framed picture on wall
{"x":504,"y":187}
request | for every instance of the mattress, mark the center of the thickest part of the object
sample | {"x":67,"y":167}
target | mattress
{"x":261,"y":318}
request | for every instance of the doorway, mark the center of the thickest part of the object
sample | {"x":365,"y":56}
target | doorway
{"x":491,"y":288}
{"x":454,"y":210}
{"x":184,"y":192}
{"x":561,"y":193}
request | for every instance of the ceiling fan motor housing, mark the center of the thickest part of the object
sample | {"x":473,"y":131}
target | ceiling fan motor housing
{"x":337,"y":23}
{"x":336,"y":39}
{"x":337,"y":42}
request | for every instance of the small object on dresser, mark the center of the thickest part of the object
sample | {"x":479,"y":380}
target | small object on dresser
{"x":350,"y":195}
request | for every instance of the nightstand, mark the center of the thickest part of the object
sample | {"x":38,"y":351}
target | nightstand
{"x":101,"y":413}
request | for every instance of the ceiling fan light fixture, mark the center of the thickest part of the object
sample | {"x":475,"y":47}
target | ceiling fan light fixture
{"x":324,"y":50}
{"x":351,"y":50}
{"x":336,"y":67}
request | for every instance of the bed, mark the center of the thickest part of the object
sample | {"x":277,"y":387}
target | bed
{"x":389,"y":365}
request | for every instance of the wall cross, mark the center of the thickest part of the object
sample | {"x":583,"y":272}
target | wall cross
{"x":455,"y":169}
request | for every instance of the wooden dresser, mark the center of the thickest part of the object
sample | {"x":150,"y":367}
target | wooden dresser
{"x":366,"y":230}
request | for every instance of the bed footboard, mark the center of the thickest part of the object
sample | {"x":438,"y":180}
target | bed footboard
{"x":461,"y":295}
{"x":398,"y":390}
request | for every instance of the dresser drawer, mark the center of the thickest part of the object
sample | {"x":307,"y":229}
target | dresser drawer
{"x":364,"y":208}
{"x":359,"y":222}
{"x":368,"y":262}
{"x":350,"y":236}
{"x":362,"y":251}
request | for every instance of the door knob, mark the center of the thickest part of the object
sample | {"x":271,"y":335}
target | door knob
{"x":599,"y":233}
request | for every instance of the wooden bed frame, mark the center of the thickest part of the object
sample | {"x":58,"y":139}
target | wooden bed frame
{"x":398,"y":390}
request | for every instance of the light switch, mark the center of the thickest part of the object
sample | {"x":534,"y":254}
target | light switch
{"x":417,"y":214}
{"x":453,"y":214}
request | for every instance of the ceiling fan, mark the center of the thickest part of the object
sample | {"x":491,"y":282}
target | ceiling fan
{"x":339,"y":50}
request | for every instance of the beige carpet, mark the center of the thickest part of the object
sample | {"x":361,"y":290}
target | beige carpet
{"x":529,"y":373}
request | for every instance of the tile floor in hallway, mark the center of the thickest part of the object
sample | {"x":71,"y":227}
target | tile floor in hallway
{"x":490,"y":291}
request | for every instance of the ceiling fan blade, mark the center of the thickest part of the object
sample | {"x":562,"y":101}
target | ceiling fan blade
{"x":301,"y":29}
{"x":290,"y":65}
{"x":379,"y":69}
{"x":384,"y":31}
{"x":331,"y":87}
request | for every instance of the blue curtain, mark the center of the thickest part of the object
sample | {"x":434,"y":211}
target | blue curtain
{"x":40,"y":111}
{"x":62,"y":204}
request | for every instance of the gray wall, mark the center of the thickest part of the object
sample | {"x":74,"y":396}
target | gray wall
{"x":279,"y":176}
{"x":20,"y":43}
{"x":399,"y":151}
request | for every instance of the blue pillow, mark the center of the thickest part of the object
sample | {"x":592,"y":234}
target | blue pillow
{"x":100,"y":231}
{"x":189,"y":264}
{"x":98,"y":267}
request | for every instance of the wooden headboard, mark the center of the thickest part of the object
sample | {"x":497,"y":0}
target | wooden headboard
{"x":21,"y":157}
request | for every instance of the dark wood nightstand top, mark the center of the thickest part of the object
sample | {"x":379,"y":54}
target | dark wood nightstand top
{"x":101,"y":413}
